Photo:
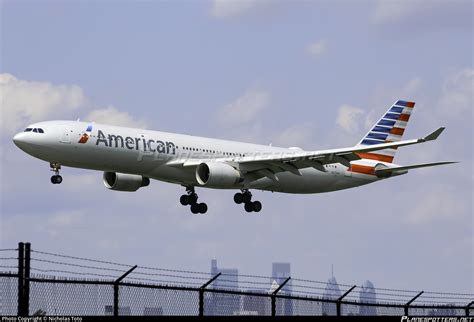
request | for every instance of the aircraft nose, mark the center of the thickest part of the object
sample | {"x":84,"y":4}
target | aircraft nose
{"x":19,"y":139}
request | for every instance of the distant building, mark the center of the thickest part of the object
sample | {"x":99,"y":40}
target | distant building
{"x":258,"y":304}
{"x":280,"y":272}
{"x":122,"y":310}
{"x":223,"y":304}
{"x":367,"y":295}
{"x":230,"y":280}
{"x":331,"y":292}
{"x":153,"y":311}
{"x":444,"y":312}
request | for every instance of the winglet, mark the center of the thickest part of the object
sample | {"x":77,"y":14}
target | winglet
{"x":434,"y":135}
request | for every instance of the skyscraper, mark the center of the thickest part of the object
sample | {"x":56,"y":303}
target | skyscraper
{"x":367,"y":295}
{"x":331,"y":292}
{"x":223,"y":304}
{"x":256,"y":304}
{"x":280,"y":272}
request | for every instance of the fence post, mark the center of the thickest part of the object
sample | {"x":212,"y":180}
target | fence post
{"x":411,"y":301}
{"x":26,"y":293}
{"x":273,"y":296}
{"x":468,"y":307}
{"x":201,"y":293}
{"x":338,"y":303}
{"x":116,"y":289}
{"x":21,"y":280}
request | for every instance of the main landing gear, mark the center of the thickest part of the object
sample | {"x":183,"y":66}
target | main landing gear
{"x":246,"y":198}
{"x":190,"y":198}
{"x":56,"y":179}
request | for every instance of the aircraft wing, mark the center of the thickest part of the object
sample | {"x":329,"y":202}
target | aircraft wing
{"x":268,"y":163}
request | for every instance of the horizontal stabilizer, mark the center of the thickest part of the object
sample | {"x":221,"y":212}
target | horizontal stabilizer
{"x":434,"y":135}
{"x":385,"y":171}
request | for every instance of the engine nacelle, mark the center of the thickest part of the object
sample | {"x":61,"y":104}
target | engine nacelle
{"x":217,"y":175}
{"x":124,"y":182}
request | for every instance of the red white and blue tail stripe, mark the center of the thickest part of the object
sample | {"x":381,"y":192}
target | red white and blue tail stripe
{"x":389,"y":128}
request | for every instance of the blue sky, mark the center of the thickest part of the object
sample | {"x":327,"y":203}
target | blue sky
{"x":311,"y":74}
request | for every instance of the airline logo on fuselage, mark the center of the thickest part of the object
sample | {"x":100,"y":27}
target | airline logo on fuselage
{"x":85,"y":137}
{"x":140,"y":143}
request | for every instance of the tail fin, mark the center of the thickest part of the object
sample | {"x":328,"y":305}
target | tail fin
{"x":389,"y":128}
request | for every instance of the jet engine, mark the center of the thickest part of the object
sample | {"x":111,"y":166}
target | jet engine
{"x":124,"y":182}
{"x":217,"y":175}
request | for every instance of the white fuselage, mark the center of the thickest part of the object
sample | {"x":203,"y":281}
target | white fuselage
{"x":151,"y":154}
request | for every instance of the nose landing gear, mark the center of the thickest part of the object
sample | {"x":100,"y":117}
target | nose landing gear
{"x":246,"y":198}
{"x":56,"y":179}
{"x":190,"y":198}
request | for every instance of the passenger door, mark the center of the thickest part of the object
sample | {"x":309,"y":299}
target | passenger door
{"x":65,"y":134}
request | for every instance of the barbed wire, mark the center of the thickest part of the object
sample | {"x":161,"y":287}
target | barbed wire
{"x":252,"y":276}
{"x":71,"y":272}
{"x":368,"y":298}
{"x":116,"y":270}
{"x":319,"y":282}
{"x":77,"y":265}
{"x":168,"y":275}
{"x":166,"y":282}
{"x":8,"y":266}
{"x":441,"y":293}
{"x":118,"y":264}
{"x":79,"y":258}
{"x":8,"y":249}
{"x":8,"y":258}
{"x":173,"y":270}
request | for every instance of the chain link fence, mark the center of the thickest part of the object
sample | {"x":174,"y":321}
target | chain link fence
{"x":66,"y":285}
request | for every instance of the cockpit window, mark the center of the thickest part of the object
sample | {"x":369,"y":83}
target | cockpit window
{"x":35,"y":130}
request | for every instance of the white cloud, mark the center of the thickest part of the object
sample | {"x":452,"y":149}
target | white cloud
{"x":23,"y":102}
{"x":228,"y":8}
{"x":422,"y":14}
{"x":302,"y":136}
{"x":349,"y":118}
{"x":244,"y":109}
{"x":66,"y":219}
{"x":111,"y":115}
{"x":441,"y":203}
{"x":456,"y":96}
{"x":412,"y":87}
{"x":390,"y":11}
{"x":317,"y":48}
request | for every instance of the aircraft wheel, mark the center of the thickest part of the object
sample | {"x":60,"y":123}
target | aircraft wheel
{"x":192,"y":198}
{"x":195,"y":208}
{"x":257,"y":206}
{"x":238,"y":198}
{"x":202,"y":208}
{"x":56,"y":179}
{"x":184,"y":200}
{"x":248,"y":207}
{"x":246,"y":197}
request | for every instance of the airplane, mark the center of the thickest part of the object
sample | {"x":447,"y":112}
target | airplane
{"x":130,"y":157}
